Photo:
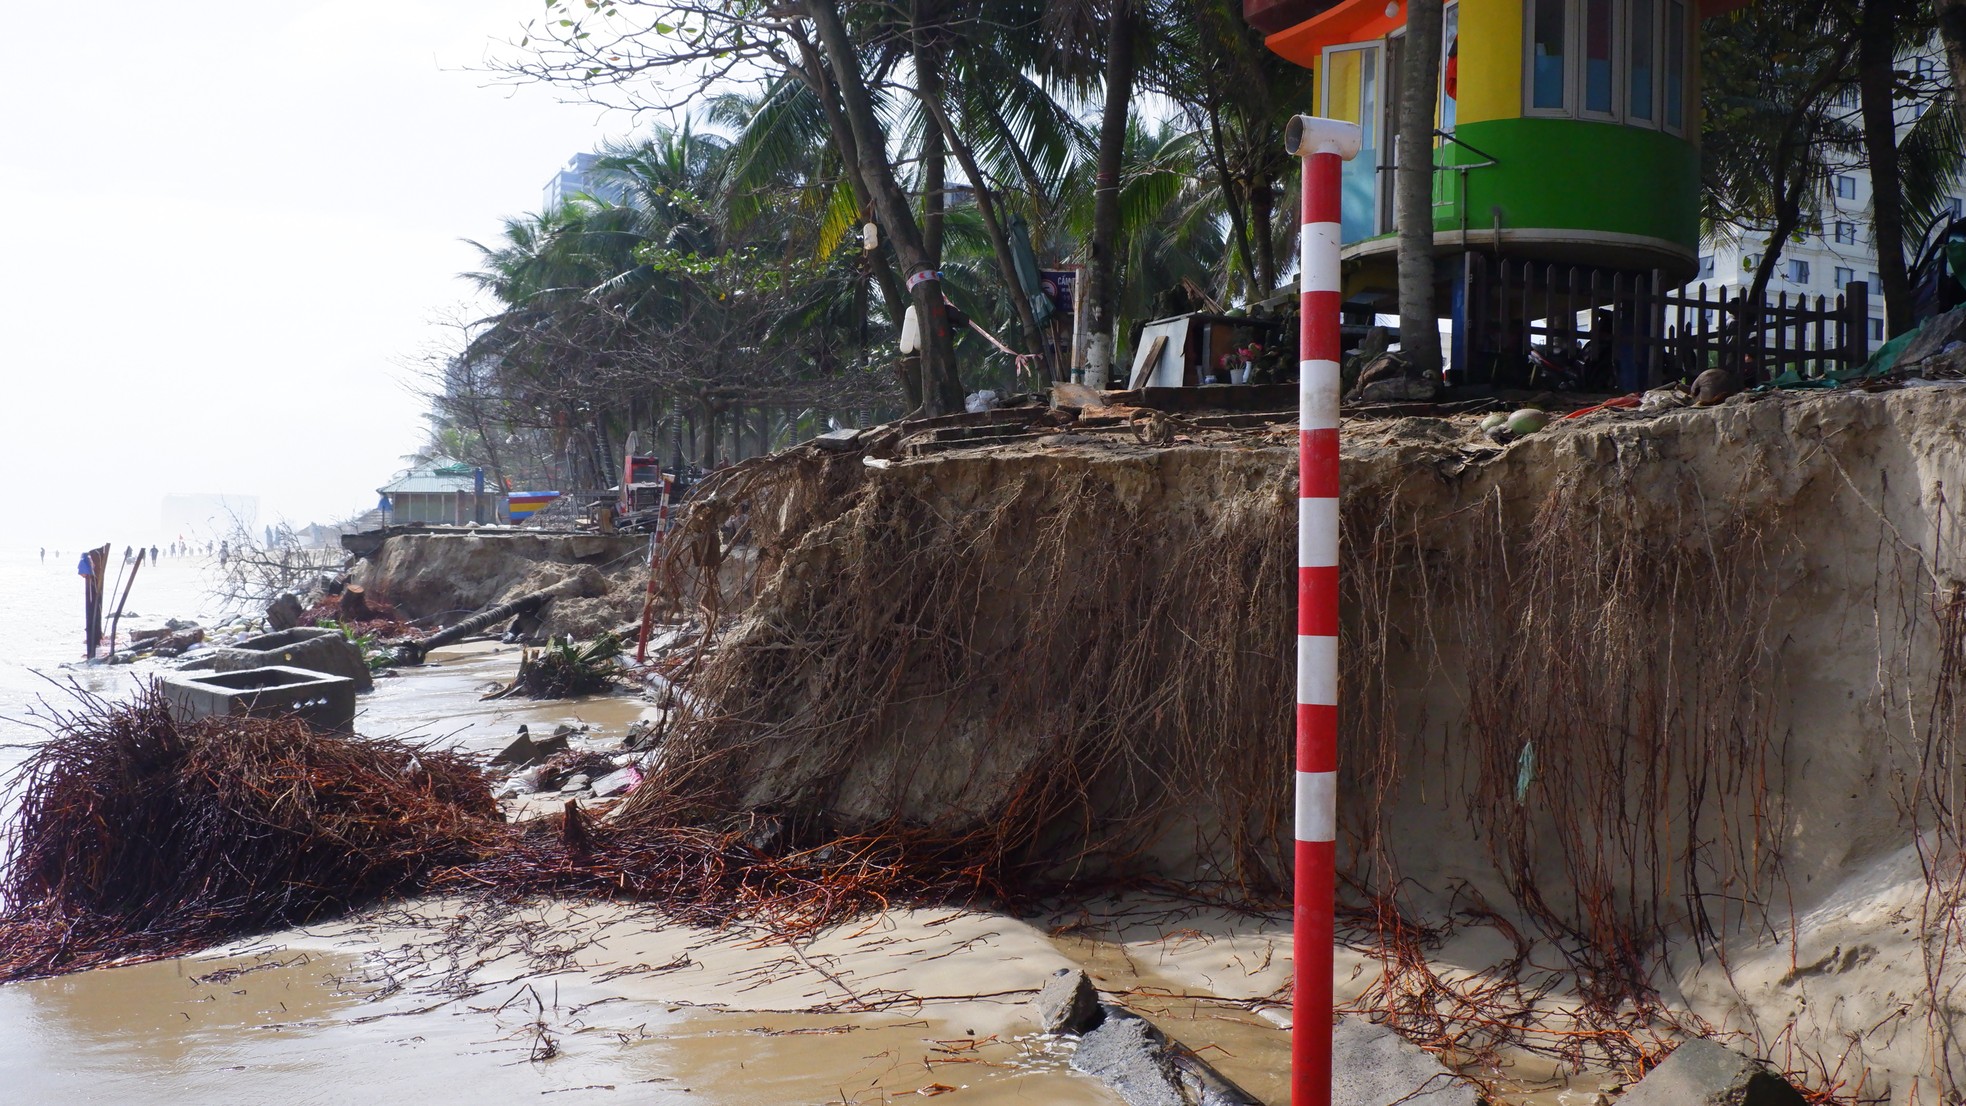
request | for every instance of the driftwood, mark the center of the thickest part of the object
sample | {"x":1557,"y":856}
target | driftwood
{"x":413,"y":652}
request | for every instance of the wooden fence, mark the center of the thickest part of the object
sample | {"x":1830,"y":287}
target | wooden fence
{"x":1656,"y":332}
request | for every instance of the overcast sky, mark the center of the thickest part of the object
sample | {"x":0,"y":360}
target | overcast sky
{"x":231,"y":228}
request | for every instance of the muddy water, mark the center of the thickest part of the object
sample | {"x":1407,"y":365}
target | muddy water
{"x":438,"y":1003}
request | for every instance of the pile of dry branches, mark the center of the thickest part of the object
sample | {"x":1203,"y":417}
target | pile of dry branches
{"x":138,"y":835}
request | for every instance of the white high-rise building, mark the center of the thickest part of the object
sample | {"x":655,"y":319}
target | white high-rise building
{"x":1842,"y":249}
{"x":582,"y":176}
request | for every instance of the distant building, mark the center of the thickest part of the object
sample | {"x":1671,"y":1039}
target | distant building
{"x":1841,"y":248}
{"x":583,"y":176}
{"x":441,"y":491}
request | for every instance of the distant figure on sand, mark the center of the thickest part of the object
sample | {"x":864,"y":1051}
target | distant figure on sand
{"x":223,"y":553}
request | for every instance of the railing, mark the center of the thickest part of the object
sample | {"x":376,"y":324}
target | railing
{"x":1655,"y":332}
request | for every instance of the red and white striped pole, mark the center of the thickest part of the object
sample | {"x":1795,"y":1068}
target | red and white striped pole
{"x":1323,"y":144}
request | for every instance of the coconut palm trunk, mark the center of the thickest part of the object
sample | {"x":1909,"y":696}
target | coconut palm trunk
{"x":1102,"y":260}
{"x":1413,"y":178}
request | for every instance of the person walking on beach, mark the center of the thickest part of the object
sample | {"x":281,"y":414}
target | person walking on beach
{"x":224,"y":551}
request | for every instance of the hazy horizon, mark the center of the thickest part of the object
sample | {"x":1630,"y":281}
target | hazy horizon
{"x":235,"y":234}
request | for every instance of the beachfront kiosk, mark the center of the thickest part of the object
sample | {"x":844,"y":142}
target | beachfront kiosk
{"x":1568,"y":132}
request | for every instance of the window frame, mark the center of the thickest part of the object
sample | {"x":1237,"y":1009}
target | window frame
{"x":1575,"y":82}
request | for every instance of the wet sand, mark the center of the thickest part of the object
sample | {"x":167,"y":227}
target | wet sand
{"x":443,"y":1001}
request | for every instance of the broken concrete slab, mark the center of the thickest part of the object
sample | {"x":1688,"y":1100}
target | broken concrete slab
{"x":317,"y":649}
{"x":1374,"y":1066}
{"x":1707,"y":1073}
{"x":1128,"y":1054}
{"x":617,"y":782}
{"x":838,"y":441}
{"x":1069,"y":1003}
{"x":285,"y":612}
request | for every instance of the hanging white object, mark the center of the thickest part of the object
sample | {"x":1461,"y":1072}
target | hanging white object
{"x":911,"y":332}
{"x":870,"y":237}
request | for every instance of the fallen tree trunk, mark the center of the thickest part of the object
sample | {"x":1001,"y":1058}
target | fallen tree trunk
{"x":413,"y":652}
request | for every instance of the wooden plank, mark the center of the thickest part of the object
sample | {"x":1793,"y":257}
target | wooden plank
{"x":1143,"y":369}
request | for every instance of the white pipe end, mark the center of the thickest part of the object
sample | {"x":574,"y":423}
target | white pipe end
{"x":1308,"y":134}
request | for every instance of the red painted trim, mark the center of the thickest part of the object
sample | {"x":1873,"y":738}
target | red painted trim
{"x":1317,"y":601}
{"x":1317,"y":737}
{"x":1317,"y":464}
{"x":1311,"y":952}
{"x":1349,"y":21}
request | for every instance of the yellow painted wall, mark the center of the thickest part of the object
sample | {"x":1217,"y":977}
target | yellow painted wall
{"x":1491,"y":60}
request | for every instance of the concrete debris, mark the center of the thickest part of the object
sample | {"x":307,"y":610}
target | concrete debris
{"x":284,"y":613}
{"x":838,"y":441}
{"x":1706,"y":1073}
{"x":314,"y":648}
{"x":526,"y":750}
{"x":642,"y":734}
{"x":1128,"y":1054}
{"x":1068,"y":1003}
{"x":576,"y":782}
{"x":1375,"y":1066}
{"x":1131,"y":1056}
{"x":617,"y":783}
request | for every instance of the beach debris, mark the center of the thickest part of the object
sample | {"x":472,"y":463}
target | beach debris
{"x":168,"y":640}
{"x":1706,"y":1073}
{"x":285,"y":612}
{"x":564,"y":668}
{"x":1391,"y":378}
{"x":576,"y":782}
{"x":1714,"y":386}
{"x":138,"y":834}
{"x":526,"y":750}
{"x":413,"y":652}
{"x":642,"y":733}
{"x":1375,"y":1066}
{"x":325,"y":702}
{"x":1068,"y":1003}
{"x":618,"y":782}
{"x":1128,"y":1054}
{"x":1131,"y":1056}
{"x":322,"y":649}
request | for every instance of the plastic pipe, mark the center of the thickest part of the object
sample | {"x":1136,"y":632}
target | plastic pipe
{"x":1323,"y":145}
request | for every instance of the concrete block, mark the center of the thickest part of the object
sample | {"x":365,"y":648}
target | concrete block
{"x":1129,"y":1055}
{"x":617,"y":782}
{"x":285,"y":612}
{"x":323,"y":701}
{"x":1705,"y":1073}
{"x":315,"y":648}
{"x":1068,"y":1003}
{"x":1375,"y":1066}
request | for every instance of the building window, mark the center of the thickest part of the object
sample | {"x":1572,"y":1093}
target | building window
{"x":1846,"y":186}
{"x":1846,"y":233}
{"x":1547,"y":53}
{"x":1875,"y":283}
{"x":1643,"y":62}
{"x":1876,"y":329}
{"x":1925,"y":70}
{"x":1798,"y":272}
{"x":1598,"y":85}
{"x":1632,"y":59}
{"x":1952,"y":207}
{"x":1706,"y":267}
{"x":1845,"y":277}
{"x":1675,"y":64}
